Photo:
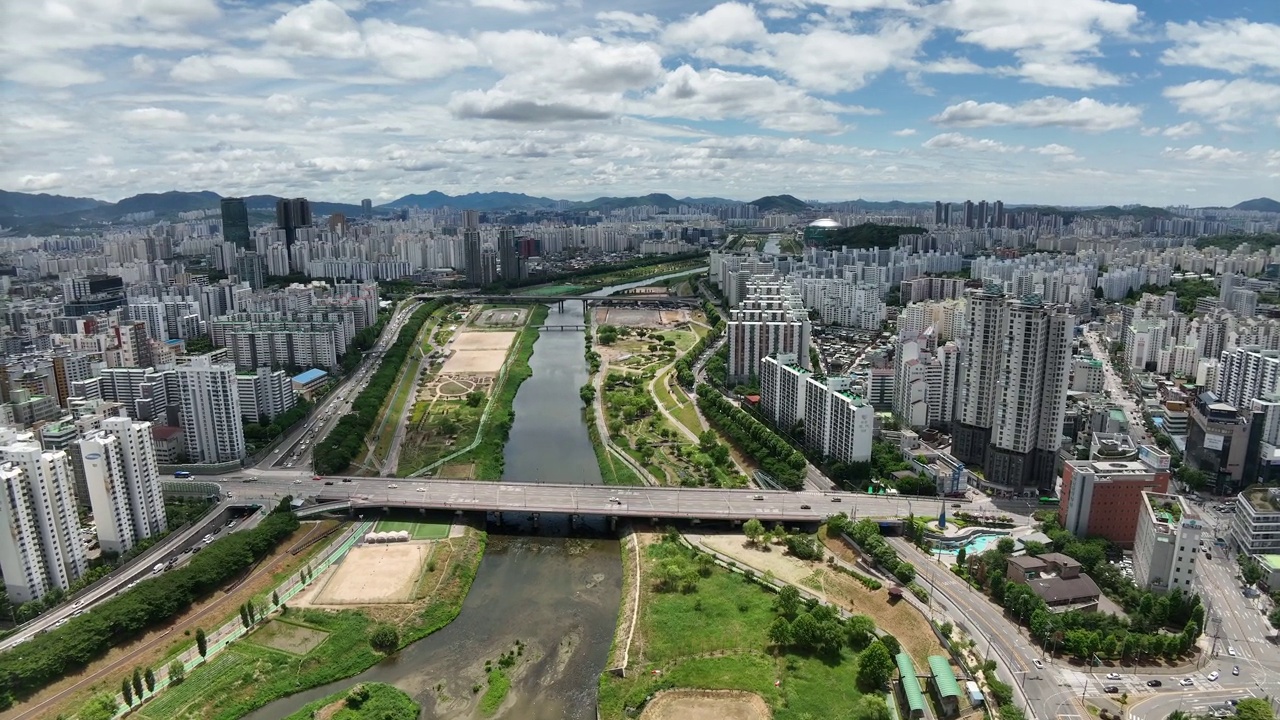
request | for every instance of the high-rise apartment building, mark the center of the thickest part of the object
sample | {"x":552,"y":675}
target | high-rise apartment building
{"x":1015,"y":368}
{"x":366,"y":208}
{"x":42,"y":549}
{"x":252,"y":268}
{"x":925,"y":381}
{"x":513,"y":265}
{"x":1166,"y":544}
{"x":1248,"y":372}
{"x":838,"y":423}
{"x":471,"y":248}
{"x":291,"y":214}
{"x":970,"y":216}
{"x":124,"y":483}
{"x":264,"y":394}
{"x":210,"y":411}
{"x":770,"y":320}
{"x":235,"y":223}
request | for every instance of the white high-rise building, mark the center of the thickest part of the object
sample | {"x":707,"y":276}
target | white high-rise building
{"x":41,"y":548}
{"x":1016,"y":366}
{"x":924,"y":385}
{"x":771,"y":319}
{"x":210,"y":412}
{"x":838,"y":424}
{"x":1245,"y":373}
{"x":265,"y":394}
{"x":782,"y":388}
{"x":124,"y":483}
{"x":1165,"y":545}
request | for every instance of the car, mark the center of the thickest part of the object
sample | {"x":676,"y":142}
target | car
{"x":328,"y":482}
{"x":1231,"y":651}
{"x":1214,"y":675}
{"x":131,"y":585}
{"x":231,"y":524}
{"x":757,"y":497}
{"x":393,"y":486}
{"x":1186,"y":682}
{"x":420,"y":488}
{"x":1154,"y":683}
{"x":1037,"y":662}
{"x":297,"y":482}
{"x":805,"y":507}
{"x":346,"y":479}
{"x":835,"y":499}
{"x":615,"y":501}
{"x":1235,"y":670}
{"x":78,"y":603}
{"x":1111,"y":689}
{"x":1113,"y":676}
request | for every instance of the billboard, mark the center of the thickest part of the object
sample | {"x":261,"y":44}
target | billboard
{"x":1153,"y":458}
{"x":1212,"y":441}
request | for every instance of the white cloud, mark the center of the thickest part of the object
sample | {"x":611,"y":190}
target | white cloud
{"x":520,"y":7}
{"x":1223,"y":100}
{"x":623,"y":21}
{"x":40,"y":182}
{"x":958,"y":141}
{"x":414,"y":53}
{"x":210,"y":68}
{"x":1058,"y":153}
{"x":904,"y":132}
{"x":830,"y":61}
{"x":1066,"y":73}
{"x":143,"y":66}
{"x":725,"y":24}
{"x":155,"y":117}
{"x":538,"y":61}
{"x":285,"y":104}
{"x":52,"y":74}
{"x":1185,"y":129}
{"x":718,"y":94}
{"x":1084,"y":114}
{"x":1205,"y":153}
{"x":318,"y":28}
{"x":1235,"y":46}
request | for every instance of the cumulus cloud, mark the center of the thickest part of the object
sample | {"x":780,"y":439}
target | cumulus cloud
{"x":40,"y":182}
{"x":1084,"y":114}
{"x":1204,"y":153}
{"x":1185,"y":129}
{"x":959,"y":141}
{"x":905,"y":132}
{"x":1235,"y":46}
{"x":725,"y":24}
{"x":1224,"y":100}
{"x":715,"y":94}
{"x":320,"y":28}
{"x":413,"y":53}
{"x":211,"y":68}
{"x":496,"y":105}
{"x":155,"y":117}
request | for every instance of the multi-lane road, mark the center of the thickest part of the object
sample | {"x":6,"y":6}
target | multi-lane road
{"x":1119,"y":394}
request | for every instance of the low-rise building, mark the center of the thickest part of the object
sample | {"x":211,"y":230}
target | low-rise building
{"x":1102,"y":497}
{"x":1166,"y":544}
{"x":311,"y":382}
{"x":1056,"y":579}
{"x":1255,"y":529}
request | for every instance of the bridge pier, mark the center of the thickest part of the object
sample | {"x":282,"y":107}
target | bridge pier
{"x":534,"y":518}
{"x":560,"y":306}
{"x":613,"y":523}
{"x":573,"y":522}
{"x":498,"y":513}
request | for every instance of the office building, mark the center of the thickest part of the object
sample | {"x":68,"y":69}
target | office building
{"x":1255,"y":526}
{"x":291,"y":214}
{"x":366,"y":208}
{"x":1102,"y":498}
{"x":1015,"y":369}
{"x":471,"y":248}
{"x":210,"y":411}
{"x":235,"y":223}
{"x":42,"y":549}
{"x":124,"y":483}
{"x":1166,"y":544}
{"x":1087,"y":375}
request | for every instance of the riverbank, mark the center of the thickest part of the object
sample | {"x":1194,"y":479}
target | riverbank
{"x":591,"y":281}
{"x":304,"y":646}
{"x":702,"y":627}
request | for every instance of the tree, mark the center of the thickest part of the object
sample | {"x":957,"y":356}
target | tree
{"x":150,"y":677}
{"x":177,"y":672}
{"x":787,"y":602}
{"x":201,"y":642}
{"x":474,"y":398}
{"x":1274,"y":618}
{"x":1009,"y":712}
{"x":384,"y":638}
{"x":870,"y":707}
{"x":275,"y":599}
{"x":806,"y":632}
{"x":102,"y":707}
{"x":780,"y":632}
{"x":137,"y":683}
{"x":127,"y":691}
{"x":875,"y":666}
{"x":1005,"y":545}
{"x":1254,"y":709}
{"x":961,"y":554}
{"x":753,"y":529}
{"x":891,"y":644}
{"x":860,"y":630}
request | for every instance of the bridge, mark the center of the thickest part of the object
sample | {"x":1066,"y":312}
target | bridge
{"x":615,"y":501}
{"x":570,"y":326}
{"x":625,"y":300}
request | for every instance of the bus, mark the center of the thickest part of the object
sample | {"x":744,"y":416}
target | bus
{"x":182,"y":474}
{"x":1049,"y":501}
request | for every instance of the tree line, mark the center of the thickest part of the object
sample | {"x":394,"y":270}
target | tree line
{"x":774,"y":455}
{"x":504,"y":286}
{"x":866,"y":533}
{"x":684,"y":366}
{"x":50,"y":656}
{"x":345,"y":441}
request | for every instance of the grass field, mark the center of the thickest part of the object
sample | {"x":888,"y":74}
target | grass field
{"x":553,"y":290}
{"x":384,"y":702}
{"x":677,"y":403}
{"x":715,"y":638}
{"x":417,"y":529}
{"x":612,"y":470}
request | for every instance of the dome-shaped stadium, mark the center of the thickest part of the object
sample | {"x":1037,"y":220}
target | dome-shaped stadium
{"x":824,"y":223}
{"x":820,"y":231}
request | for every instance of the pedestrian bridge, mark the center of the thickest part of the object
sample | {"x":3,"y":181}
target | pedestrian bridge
{"x":615,"y":501}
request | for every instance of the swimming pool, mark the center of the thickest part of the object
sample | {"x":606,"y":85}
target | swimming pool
{"x":978,"y":544}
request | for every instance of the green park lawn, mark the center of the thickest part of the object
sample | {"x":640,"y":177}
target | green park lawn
{"x":417,"y":529}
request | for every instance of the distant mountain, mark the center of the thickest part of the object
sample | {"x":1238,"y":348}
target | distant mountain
{"x":606,"y":204}
{"x":880,"y":205}
{"x":435,"y":200}
{"x":1140,"y":212}
{"x":23,"y":205}
{"x":786,"y":203}
{"x":1262,"y":204}
{"x":708,"y":201}
{"x":267,"y":203}
{"x":174,"y":201}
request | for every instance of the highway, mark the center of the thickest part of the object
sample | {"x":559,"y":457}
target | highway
{"x":1120,"y":395}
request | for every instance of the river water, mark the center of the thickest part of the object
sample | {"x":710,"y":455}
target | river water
{"x":553,"y":589}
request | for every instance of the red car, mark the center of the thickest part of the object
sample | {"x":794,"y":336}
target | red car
{"x":317,"y":477}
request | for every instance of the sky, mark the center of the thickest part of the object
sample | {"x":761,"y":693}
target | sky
{"x":1074,"y":102}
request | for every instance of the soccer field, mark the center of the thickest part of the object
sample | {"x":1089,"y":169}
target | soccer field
{"x":417,"y":529}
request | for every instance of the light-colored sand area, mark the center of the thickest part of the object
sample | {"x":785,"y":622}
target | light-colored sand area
{"x":706,"y":705}
{"x":478,"y":352}
{"x":374,"y":575}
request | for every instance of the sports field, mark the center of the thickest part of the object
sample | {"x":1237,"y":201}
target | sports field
{"x":417,"y":529}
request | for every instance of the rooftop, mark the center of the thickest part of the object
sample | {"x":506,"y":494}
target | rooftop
{"x":1262,"y":498}
{"x":309,"y":376}
{"x":1059,"y":590}
{"x":824,"y":223}
{"x":1271,"y":561}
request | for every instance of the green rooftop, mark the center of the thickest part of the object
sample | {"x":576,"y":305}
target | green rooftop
{"x":910,"y":683}
{"x":943,"y":676}
{"x":1271,"y":561}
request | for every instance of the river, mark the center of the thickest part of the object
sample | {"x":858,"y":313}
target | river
{"x":553,"y":591}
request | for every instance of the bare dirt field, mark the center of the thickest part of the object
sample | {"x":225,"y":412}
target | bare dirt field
{"x":287,"y":637}
{"x":374,"y":575}
{"x":633,"y":317}
{"x":478,"y":352}
{"x":706,"y":705}
{"x":458,"y":471}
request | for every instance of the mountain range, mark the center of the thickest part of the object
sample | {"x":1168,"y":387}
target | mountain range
{"x":47,"y":213}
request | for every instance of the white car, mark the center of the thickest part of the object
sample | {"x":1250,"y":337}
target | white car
{"x":1039,"y":665}
{"x":421,"y":488}
{"x":1113,"y":676}
{"x":297,"y":482}
{"x":1186,"y":682}
{"x":393,"y":486}
{"x":1213,"y":676}
{"x":1231,"y":651}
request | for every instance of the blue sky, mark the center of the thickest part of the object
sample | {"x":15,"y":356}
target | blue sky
{"x":1051,"y":101}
